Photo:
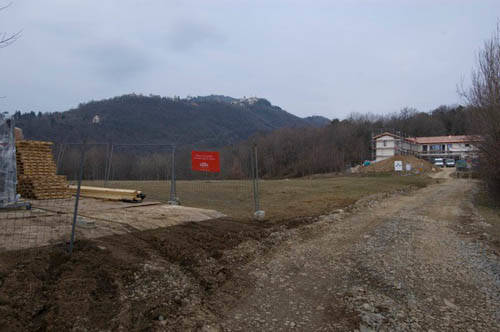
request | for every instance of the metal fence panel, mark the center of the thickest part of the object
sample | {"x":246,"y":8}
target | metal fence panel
{"x":36,"y":208}
{"x":161,"y":171}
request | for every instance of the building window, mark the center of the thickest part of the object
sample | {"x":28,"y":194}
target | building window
{"x":467,"y":145}
{"x":449,"y":147}
{"x":385,"y":143}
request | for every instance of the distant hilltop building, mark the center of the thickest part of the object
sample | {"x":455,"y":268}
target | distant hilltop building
{"x":458,"y":147}
{"x":96,"y":119}
{"x":248,"y":101}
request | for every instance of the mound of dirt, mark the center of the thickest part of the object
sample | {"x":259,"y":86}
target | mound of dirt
{"x":417,"y":165}
{"x":131,"y":282}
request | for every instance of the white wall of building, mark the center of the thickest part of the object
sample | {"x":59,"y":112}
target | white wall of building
{"x":385,"y":147}
{"x":385,"y":142}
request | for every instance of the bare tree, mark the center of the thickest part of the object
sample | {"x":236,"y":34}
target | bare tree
{"x":484,"y":98}
{"x":5,"y":38}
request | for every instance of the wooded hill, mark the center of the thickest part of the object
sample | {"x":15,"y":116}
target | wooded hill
{"x":288,"y":145}
{"x":206,"y":121}
{"x":284,"y":152}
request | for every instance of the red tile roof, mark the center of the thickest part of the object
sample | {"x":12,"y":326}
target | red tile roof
{"x":444,"y":139}
{"x":435,"y":139}
{"x":386,"y":134}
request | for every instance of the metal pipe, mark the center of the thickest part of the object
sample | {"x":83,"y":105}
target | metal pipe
{"x":75,"y":212}
{"x":173,"y":189}
{"x":60,"y":155}
{"x":108,"y":169}
{"x":256,"y":180}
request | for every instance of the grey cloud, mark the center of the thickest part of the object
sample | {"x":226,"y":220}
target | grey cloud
{"x":187,"y":35}
{"x":116,"y":61}
{"x":307,"y":57}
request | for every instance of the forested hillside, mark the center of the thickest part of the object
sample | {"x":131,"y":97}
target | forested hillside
{"x":343,"y":143}
{"x":284,"y":152}
{"x":205,"y":121}
{"x":288,"y":145}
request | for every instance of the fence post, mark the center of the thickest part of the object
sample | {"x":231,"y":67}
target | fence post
{"x":173,"y":190}
{"x":258,"y":214}
{"x":77,"y":199}
{"x":60,"y":155}
{"x":108,"y":166}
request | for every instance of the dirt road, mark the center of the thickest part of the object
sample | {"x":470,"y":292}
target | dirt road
{"x":404,"y":263}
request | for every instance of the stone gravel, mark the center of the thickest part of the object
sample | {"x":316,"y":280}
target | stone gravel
{"x":389,"y":263}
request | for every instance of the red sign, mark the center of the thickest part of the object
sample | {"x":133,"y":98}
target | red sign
{"x":205,"y":161}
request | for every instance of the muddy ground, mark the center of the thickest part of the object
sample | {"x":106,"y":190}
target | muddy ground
{"x":125,"y":281}
{"x":404,"y":261}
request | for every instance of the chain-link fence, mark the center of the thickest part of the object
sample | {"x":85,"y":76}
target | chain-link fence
{"x":38,"y":223}
{"x":121,"y":188}
{"x":150,"y":168}
{"x":35,"y":206}
{"x":136,"y":187}
{"x":113,"y":189}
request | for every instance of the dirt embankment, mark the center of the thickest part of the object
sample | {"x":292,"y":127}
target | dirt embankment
{"x":135,"y":281}
{"x":387,"y":166}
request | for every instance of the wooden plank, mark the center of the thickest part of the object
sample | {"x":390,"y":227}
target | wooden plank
{"x":109,"y":193}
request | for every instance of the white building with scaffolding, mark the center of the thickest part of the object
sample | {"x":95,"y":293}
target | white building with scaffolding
{"x":387,"y":145}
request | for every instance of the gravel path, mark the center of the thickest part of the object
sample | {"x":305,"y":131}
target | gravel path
{"x":397,"y":264}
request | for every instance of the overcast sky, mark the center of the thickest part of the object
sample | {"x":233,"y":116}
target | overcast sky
{"x":329,"y":58}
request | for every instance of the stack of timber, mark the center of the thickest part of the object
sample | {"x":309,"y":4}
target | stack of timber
{"x":36,"y":172}
{"x":127,"y":195}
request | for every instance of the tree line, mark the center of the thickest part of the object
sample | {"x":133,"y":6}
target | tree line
{"x":345,"y":143}
{"x":483,"y":97}
{"x":285,"y":152}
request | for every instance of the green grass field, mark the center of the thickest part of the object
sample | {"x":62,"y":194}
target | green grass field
{"x":280,"y":199}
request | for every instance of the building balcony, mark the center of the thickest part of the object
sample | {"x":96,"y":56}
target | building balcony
{"x":445,"y":152}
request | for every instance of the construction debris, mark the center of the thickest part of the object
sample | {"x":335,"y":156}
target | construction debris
{"x":36,"y":172}
{"x":127,"y":195}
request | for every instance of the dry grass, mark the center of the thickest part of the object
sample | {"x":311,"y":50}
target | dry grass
{"x":490,"y":211}
{"x":281,"y":199}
